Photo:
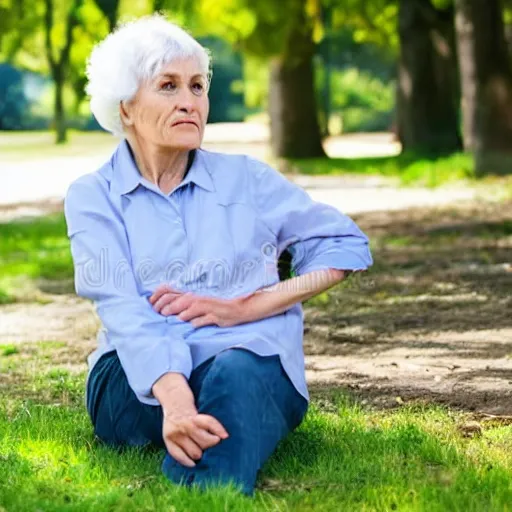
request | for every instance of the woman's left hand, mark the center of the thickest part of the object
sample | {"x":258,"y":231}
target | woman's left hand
{"x":197,"y":309}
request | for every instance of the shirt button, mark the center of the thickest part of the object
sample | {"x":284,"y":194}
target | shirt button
{"x":268,"y":249}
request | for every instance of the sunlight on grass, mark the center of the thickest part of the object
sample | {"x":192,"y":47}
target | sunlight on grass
{"x":343,"y":457}
{"x":412,"y":459}
{"x":409,"y":168}
{"x":33,"y":250}
{"x":8,"y":350}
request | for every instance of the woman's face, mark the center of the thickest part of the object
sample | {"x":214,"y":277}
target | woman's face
{"x":171,"y":110}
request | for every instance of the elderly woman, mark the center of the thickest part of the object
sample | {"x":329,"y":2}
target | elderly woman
{"x":201,"y":347}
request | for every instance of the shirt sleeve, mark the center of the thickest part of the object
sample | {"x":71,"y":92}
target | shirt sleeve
{"x":103,"y":273}
{"x":318,"y":236}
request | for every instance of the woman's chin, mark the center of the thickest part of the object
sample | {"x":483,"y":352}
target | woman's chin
{"x":183,"y":143}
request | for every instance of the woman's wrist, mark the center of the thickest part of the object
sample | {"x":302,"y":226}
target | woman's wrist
{"x":173,"y":391}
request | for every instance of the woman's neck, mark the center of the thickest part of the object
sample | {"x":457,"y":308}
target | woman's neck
{"x":159,"y":165}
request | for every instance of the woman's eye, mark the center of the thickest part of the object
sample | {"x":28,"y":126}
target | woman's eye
{"x":198,"y":88}
{"x":169,"y":86}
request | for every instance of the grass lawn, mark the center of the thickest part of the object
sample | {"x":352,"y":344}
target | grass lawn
{"x":30,"y":253}
{"x":410,"y":169}
{"x":341,"y":458}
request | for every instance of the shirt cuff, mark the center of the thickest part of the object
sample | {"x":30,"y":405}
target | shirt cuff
{"x":355,"y":261}
{"x":174,"y":357}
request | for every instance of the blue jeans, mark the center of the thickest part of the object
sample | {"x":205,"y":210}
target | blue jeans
{"x":250,"y":395}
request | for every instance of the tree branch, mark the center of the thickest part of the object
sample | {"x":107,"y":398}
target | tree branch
{"x":71,"y":23}
{"x":48,"y":23}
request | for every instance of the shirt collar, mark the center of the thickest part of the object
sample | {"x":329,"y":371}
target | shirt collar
{"x":199,"y":173}
{"x":126,"y":176}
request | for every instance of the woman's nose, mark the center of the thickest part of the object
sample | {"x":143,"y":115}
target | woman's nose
{"x":185,"y":100}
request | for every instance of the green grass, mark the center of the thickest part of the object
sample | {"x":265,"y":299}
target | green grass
{"x":8,"y":350}
{"x":411,"y":169}
{"x":343,"y":457}
{"x":33,"y":250}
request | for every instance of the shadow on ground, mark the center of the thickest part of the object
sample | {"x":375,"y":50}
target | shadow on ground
{"x":432,"y":320}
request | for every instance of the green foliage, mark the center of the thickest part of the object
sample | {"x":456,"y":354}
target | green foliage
{"x":353,"y":88}
{"x":373,"y":21}
{"x":364,"y":101}
{"x":226,"y":96}
{"x":256,"y":79}
{"x":259,"y":28}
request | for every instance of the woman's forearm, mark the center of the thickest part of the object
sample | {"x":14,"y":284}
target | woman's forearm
{"x":174,"y":394}
{"x":282,"y":296}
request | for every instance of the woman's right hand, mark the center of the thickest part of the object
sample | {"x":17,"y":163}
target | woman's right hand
{"x":186,"y":436}
{"x":186,"y":433}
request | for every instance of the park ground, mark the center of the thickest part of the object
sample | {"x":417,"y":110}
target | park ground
{"x":409,"y":365}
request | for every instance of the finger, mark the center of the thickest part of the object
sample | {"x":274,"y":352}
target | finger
{"x":164,"y":300}
{"x":211,"y":424}
{"x":202,"y":321}
{"x":203,"y":438}
{"x":174,"y":308}
{"x":179,"y":455}
{"x":190,"y":447}
{"x":161,"y":290}
{"x":166,"y":310}
{"x":192,"y":312}
{"x":180,"y":304}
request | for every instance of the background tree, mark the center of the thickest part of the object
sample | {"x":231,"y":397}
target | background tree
{"x":292,"y":101}
{"x":486,"y":77}
{"x":284,"y":32}
{"x":427,"y":94}
{"x":420,"y":36}
{"x":58,"y":58}
{"x":110,"y":8}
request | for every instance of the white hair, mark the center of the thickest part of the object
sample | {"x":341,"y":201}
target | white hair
{"x":133,"y":53}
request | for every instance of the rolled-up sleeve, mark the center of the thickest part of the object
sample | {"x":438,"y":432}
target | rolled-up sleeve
{"x":142,"y":338}
{"x":318,"y":236}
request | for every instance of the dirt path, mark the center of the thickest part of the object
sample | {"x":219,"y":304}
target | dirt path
{"x":431,"y":321}
{"x":35,"y":181}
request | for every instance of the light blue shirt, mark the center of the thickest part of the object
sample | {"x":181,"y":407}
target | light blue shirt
{"x":218,"y":233}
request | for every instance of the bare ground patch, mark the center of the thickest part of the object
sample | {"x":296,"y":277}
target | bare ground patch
{"x":432,"y":321}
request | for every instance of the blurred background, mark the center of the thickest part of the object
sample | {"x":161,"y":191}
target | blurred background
{"x":434,"y":75}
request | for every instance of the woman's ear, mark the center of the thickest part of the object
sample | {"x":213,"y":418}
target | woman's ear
{"x":126,"y":113}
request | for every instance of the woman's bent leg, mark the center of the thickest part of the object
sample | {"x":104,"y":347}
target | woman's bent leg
{"x":258,"y":405}
{"x":118,"y":417}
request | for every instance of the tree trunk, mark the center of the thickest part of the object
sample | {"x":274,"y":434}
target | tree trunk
{"x":59,"y":113}
{"x":486,"y":76}
{"x":427,"y":95}
{"x":59,"y":65}
{"x":110,"y":8}
{"x":294,"y":126}
{"x":158,"y":5}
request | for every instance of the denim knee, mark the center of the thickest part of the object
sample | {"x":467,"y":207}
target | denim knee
{"x":237,"y":366}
